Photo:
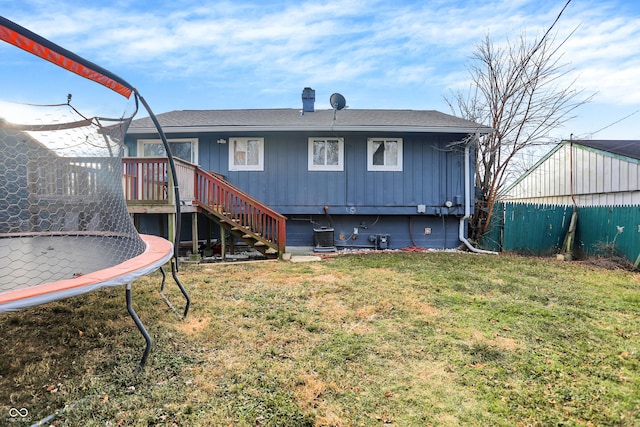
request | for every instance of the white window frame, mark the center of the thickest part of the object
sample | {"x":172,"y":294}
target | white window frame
{"x":193,"y":141}
{"x":339,"y":167}
{"x":232,"y":157}
{"x":383,"y":168}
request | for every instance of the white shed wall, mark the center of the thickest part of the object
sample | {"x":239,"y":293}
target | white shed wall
{"x":599,"y":178}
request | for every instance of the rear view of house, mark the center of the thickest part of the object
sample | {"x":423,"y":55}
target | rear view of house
{"x":345,"y":178}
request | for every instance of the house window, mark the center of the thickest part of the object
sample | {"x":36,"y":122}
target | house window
{"x":246,"y":154}
{"x":326,"y":154}
{"x":384,"y":154}
{"x":184,"y":148}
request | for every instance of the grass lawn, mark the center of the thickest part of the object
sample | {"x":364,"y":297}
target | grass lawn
{"x":399,"y":339}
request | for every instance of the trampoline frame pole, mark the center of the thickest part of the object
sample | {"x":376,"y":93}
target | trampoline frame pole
{"x":140,"y":326}
{"x":180,"y":286}
{"x":174,"y":174}
{"x":174,"y":271}
{"x":164,"y":279}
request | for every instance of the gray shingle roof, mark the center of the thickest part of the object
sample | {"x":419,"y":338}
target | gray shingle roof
{"x":624,"y":148}
{"x":288,"y":119}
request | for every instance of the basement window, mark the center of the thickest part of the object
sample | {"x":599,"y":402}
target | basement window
{"x":384,"y":154}
{"x":326,"y":154}
{"x":246,"y":154}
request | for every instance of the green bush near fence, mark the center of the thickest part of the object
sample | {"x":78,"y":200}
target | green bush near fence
{"x":537,"y":229}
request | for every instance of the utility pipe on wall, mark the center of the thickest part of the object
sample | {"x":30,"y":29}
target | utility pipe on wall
{"x":467,"y":201}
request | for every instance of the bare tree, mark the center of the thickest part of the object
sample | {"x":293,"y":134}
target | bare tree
{"x":523,"y":92}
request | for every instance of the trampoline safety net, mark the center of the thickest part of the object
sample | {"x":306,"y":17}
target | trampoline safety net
{"x":62,"y":207}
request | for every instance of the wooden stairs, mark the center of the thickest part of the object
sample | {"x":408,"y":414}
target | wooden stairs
{"x":242,"y":232}
{"x":240,"y":214}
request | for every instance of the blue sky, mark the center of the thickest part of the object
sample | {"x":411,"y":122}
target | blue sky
{"x":183,"y":54}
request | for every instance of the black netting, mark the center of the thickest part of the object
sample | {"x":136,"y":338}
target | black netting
{"x":62,"y":206}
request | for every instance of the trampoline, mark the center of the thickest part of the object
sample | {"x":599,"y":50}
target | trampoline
{"x":87,"y":266}
{"x":64,"y":225}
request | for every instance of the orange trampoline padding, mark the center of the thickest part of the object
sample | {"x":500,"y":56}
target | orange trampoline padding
{"x":158,"y":251}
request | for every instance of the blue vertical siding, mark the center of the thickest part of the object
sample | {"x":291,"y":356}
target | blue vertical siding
{"x":433,"y":172}
{"x":403,"y":230}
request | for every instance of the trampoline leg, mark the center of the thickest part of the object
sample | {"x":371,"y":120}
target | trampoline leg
{"x":174,"y":271}
{"x":164,"y":279}
{"x":182,"y":289}
{"x":141,"y":328}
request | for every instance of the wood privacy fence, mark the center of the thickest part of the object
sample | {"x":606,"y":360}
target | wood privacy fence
{"x":537,"y":229}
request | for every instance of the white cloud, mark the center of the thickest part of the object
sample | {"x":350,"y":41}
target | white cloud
{"x":406,"y":46}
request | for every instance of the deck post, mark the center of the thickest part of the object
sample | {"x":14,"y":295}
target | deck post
{"x":223,"y":243}
{"x":171,"y":227}
{"x":195,"y":254}
{"x":171,"y":217}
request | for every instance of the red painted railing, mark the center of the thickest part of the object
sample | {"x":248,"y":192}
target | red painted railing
{"x":145,"y":181}
{"x":242,"y":209}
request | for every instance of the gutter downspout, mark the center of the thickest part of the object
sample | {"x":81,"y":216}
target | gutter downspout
{"x":467,"y":202}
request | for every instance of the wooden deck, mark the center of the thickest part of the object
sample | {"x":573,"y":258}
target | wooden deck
{"x":148,"y":188}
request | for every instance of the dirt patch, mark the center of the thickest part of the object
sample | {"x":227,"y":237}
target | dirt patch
{"x":499,"y":342}
{"x":310,"y":388}
{"x":609,"y":263}
{"x":425,"y":309}
{"x":193,"y":325}
{"x":505,"y":343}
{"x":327,"y":278}
{"x":331,"y":307}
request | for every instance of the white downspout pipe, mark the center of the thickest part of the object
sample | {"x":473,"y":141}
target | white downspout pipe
{"x":467,"y":202}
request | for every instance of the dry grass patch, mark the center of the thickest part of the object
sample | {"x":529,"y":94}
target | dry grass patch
{"x":193,"y":325}
{"x":357,"y":340}
{"x":499,"y":342}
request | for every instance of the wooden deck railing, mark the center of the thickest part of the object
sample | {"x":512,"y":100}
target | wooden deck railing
{"x":186,"y":173}
{"x":146,"y":181}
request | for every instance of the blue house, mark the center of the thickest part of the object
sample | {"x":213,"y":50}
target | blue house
{"x":346,"y":178}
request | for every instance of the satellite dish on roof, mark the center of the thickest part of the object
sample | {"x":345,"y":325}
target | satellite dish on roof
{"x":337,"y":101}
